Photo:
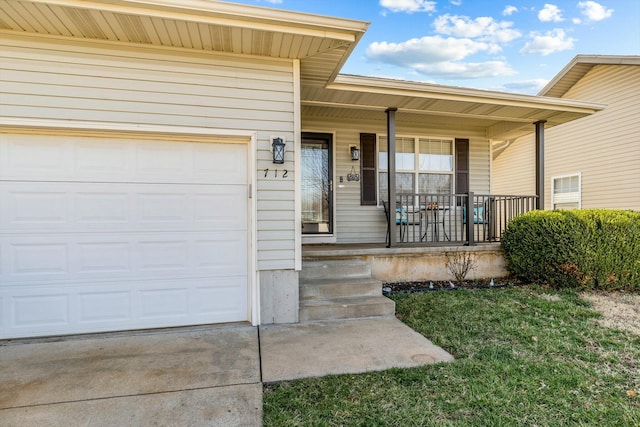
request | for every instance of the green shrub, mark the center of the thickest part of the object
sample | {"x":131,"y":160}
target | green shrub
{"x":591,"y":248}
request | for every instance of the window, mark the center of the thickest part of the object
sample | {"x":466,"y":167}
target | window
{"x":427,"y":162}
{"x":565,"y":191}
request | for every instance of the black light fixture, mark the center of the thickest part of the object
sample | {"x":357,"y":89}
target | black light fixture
{"x":355,"y":153}
{"x":278,"y":151}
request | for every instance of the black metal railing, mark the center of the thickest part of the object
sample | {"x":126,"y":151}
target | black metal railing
{"x":436,"y":219}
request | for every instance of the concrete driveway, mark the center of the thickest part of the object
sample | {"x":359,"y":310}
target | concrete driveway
{"x":200,"y":376}
{"x":195,"y":377}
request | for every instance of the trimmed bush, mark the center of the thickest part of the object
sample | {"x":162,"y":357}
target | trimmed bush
{"x":591,"y":248}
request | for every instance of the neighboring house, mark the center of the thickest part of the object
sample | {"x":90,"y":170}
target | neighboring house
{"x":138,"y":187}
{"x":593,"y":162}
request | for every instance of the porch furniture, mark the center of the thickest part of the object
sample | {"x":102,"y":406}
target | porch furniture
{"x":432,"y":219}
{"x":398,"y":221}
{"x":404,"y":217}
{"x":480,"y":218}
{"x":435,"y":216}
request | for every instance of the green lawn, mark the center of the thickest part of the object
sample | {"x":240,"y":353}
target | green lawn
{"x":524,"y":356}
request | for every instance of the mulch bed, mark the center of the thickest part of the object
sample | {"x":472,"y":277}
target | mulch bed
{"x":447,"y":285}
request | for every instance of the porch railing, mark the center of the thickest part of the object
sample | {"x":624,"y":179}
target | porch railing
{"x":436,"y":219}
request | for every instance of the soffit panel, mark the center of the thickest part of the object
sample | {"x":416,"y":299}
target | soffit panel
{"x":569,"y":79}
{"x":416,"y":119}
{"x":321,"y":50}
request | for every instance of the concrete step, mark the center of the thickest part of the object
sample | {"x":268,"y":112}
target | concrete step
{"x":346,"y":308}
{"x":335,"y":269}
{"x":334,"y":288}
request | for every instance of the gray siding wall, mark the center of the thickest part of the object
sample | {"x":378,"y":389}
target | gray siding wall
{"x":366,"y":224}
{"x":74,"y":81}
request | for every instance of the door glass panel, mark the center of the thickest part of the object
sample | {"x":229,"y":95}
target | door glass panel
{"x":316,"y":185}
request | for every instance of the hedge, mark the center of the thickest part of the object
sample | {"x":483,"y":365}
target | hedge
{"x":589,"y":249}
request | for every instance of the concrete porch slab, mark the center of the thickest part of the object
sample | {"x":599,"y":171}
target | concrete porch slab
{"x":322,"y":348}
{"x":71,"y":370}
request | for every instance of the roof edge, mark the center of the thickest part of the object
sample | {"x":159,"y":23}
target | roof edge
{"x":405,"y":87}
{"x":592,"y":60}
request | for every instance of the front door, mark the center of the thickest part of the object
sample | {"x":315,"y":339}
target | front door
{"x":317,"y":183}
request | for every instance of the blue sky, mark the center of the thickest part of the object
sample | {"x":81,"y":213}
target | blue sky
{"x":507,"y":45}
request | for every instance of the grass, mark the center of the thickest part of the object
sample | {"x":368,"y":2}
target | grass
{"x":524,"y":356}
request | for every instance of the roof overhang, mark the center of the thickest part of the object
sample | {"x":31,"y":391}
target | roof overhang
{"x":503,"y":116}
{"x":322,"y":43}
{"x":578,"y":67}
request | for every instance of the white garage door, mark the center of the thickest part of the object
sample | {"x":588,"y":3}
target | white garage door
{"x":103,"y":234}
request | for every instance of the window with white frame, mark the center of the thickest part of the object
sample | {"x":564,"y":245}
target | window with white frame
{"x":565,"y":191}
{"x":427,"y":162}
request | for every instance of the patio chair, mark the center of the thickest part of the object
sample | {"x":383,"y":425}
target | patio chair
{"x":479,"y":217}
{"x":402,"y":219}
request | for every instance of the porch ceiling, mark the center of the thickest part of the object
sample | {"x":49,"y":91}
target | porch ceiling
{"x":502,"y":115}
{"x":321,"y":43}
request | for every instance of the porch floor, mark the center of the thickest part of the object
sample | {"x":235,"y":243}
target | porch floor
{"x":313,"y":251}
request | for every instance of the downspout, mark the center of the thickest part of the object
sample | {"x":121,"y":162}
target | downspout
{"x":391,"y":175}
{"x":540,"y":164}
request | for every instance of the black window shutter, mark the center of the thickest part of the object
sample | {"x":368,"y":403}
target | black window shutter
{"x":462,"y":166}
{"x":368,"y":179}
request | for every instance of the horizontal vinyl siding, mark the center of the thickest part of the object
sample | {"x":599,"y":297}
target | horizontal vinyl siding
{"x":138,"y":85}
{"x":604,"y":147}
{"x":514,"y":170}
{"x":366,"y":224}
{"x":479,"y":166}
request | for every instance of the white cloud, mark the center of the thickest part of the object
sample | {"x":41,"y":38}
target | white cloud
{"x":439,"y":56}
{"x":509,"y":10}
{"x":552,"y":41}
{"x":483,"y":28}
{"x":409,"y":6}
{"x":465,"y":70}
{"x":525,"y":86}
{"x":594,"y":11}
{"x":456,"y":2}
{"x":550,"y":13}
{"x":426,"y":49}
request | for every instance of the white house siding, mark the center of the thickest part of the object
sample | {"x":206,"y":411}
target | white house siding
{"x":119,"y":84}
{"x":604,"y":148}
{"x":365,"y":224}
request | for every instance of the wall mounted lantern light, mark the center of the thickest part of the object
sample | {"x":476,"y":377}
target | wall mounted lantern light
{"x":278,"y":151}
{"x":355,"y":152}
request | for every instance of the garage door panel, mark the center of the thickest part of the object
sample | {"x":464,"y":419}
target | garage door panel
{"x":79,"y":308}
{"x":57,"y":258}
{"x":101,"y":234}
{"x":60,"y":158}
{"x":85,"y":207}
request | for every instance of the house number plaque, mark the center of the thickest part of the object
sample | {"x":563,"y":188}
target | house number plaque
{"x":283,"y":173}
